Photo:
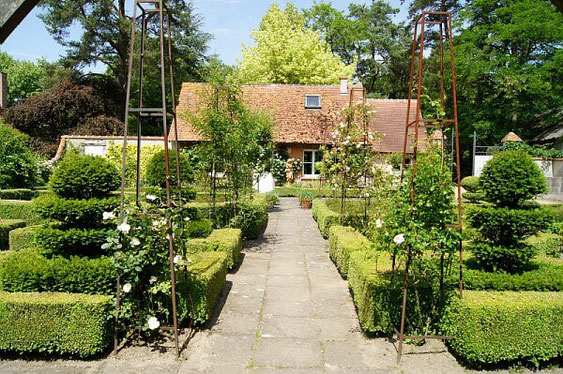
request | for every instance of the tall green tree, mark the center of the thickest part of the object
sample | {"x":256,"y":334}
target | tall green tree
{"x":286,"y":51}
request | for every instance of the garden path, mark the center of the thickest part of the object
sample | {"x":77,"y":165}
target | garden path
{"x":285,"y":310}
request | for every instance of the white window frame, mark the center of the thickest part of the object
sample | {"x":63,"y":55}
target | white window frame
{"x":310,"y":176}
{"x":313,"y":107}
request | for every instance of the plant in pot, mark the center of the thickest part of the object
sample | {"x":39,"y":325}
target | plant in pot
{"x":305,"y":199}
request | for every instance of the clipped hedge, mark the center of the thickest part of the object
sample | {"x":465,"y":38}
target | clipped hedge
{"x":18,"y":194}
{"x":200,"y":228}
{"x":343,"y":241}
{"x":228,"y":241}
{"x":79,"y":212}
{"x":7,"y":225}
{"x":23,"y":238}
{"x":501,"y":327}
{"x":547,"y":243}
{"x":205,"y":281}
{"x":67,"y":324}
{"x":29,"y":271}
{"x":324,"y":216}
{"x":18,"y":209}
{"x":71,"y":241}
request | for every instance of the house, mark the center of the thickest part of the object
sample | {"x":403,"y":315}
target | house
{"x":304,"y":116}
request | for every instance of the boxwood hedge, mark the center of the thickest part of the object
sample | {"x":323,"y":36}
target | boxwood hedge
{"x":23,"y":237}
{"x":18,"y":194}
{"x":7,"y":225}
{"x":228,"y":241}
{"x":324,"y":216}
{"x":71,"y":241}
{"x":204,"y":281}
{"x":500,"y":327}
{"x":67,"y":324}
{"x":19,"y":209}
{"x":75,"y":212}
{"x":343,"y":241}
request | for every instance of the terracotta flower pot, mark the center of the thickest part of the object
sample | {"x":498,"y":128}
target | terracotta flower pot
{"x":306,"y":203}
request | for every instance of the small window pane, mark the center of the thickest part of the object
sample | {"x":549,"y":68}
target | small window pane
{"x":308,"y":168}
{"x":318,"y":156}
{"x":312,"y":101}
{"x":307,"y":156}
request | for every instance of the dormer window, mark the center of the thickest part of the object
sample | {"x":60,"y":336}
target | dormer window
{"x":312,"y":101}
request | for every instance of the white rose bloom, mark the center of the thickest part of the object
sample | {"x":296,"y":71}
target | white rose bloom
{"x":134,"y":242}
{"x":127,"y":287}
{"x":154,"y":323}
{"x":398,"y":239}
{"x":190,"y":260}
{"x":151,"y":197}
{"x":108,"y":215}
{"x":124,"y":227}
{"x":378,"y":223}
{"x":152,"y":279}
{"x":177,"y":259}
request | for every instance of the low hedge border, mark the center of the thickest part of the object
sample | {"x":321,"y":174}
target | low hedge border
{"x":75,"y":212}
{"x":23,"y":237}
{"x":18,"y":194}
{"x":324,"y":216}
{"x":207,"y":277}
{"x":228,"y":241}
{"x":7,"y":225}
{"x":62,"y":323}
{"x":502,"y":327}
{"x":293,"y":191}
{"x":20,"y":209}
{"x":29,"y":271}
{"x":71,"y":241}
{"x":343,"y":241}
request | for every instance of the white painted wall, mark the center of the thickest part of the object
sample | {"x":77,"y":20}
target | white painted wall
{"x":545,"y":165}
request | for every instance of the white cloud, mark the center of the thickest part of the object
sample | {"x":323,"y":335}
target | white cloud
{"x":222,"y":31}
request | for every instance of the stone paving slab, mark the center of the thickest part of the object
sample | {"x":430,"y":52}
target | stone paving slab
{"x":285,"y":310}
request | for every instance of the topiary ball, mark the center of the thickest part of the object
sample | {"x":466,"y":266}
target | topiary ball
{"x":510,"y":178}
{"x":156,"y":172}
{"x":82,"y":177}
{"x":471,"y":184}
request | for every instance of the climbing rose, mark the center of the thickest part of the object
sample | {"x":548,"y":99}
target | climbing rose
{"x":108,"y":215}
{"x":154,"y":323}
{"x":398,"y":239}
{"x":127,"y":287}
{"x":124,"y":228}
{"x":177,"y":259}
{"x":378,"y":223}
{"x":134,"y":242}
{"x":151,"y":197}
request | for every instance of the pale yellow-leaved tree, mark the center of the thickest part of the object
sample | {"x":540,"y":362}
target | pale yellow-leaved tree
{"x":286,"y":51}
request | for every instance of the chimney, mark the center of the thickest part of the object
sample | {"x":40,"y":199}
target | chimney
{"x":344,"y":86}
{"x":3,"y":90}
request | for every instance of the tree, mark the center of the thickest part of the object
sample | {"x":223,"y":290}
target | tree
{"x":287,"y":51}
{"x":19,"y":165}
{"x":24,"y":77}
{"x":107,"y":28}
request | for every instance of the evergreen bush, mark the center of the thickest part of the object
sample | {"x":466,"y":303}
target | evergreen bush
{"x":18,"y":166}
{"x":156,"y":170}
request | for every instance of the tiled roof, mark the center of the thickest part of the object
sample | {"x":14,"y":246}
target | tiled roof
{"x":293,"y":123}
{"x":511,"y":137}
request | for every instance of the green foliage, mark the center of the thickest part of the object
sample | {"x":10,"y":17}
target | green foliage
{"x":286,"y":51}
{"x":29,"y":271}
{"x":23,"y":238}
{"x":324,"y":216}
{"x":24,"y":77}
{"x":18,"y":194}
{"x":62,"y":323}
{"x":271,"y":198}
{"x":18,"y":168}
{"x":305,"y":195}
{"x":71,"y":241}
{"x":252,"y":219}
{"x":277,"y":168}
{"x":500,"y":327}
{"x":200,"y":228}
{"x":534,"y":150}
{"x":84,"y":176}
{"x":473,"y":197}
{"x":156,"y":170}
{"x":114,"y":155}
{"x":471,"y":183}
{"x":343,"y":241}
{"x":204,"y":282}
{"x":228,"y":241}
{"x":75,"y":212}
{"x":7,"y":225}
{"x":19,"y":210}
{"x":550,"y":244}
{"x":510,"y":178}
{"x":508,"y":257}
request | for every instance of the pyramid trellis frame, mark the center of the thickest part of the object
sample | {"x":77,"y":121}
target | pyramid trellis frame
{"x":444,"y":22}
{"x":150,"y":9}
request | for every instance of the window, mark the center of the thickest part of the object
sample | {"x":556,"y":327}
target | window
{"x":310,"y":158}
{"x":312,"y":102}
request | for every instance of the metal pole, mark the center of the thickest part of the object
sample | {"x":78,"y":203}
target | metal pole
{"x":139,"y":134}
{"x":474,"y":150}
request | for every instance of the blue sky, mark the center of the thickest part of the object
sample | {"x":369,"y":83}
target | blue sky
{"x":229,"y":21}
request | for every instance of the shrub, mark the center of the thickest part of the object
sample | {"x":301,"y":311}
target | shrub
{"x":7,"y":225}
{"x":71,"y":241}
{"x":324,"y":216}
{"x":228,"y":241}
{"x":548,"y":244}
{"x":471,"y":184}
{"x":473,"y":197}
{"x":342,"y":242}
{"x":75,"y":212}
{"x":68,"y":324}
{"x":499,"y":327}
{"x":509,"y":257}
{"x":18,"y":194}
{"x":510,"y":178}
{"x":200,"y":228}
{"x":251,"y":218}
{"x":19,"y":165}
{"x":205,"y":281}
{"x":508,"y":226}
{"x":220,"y":214}
{"x":83,"y":176}
{"x":19,"y":210}
{"x":114,"y":155}
{"x":156,"y":173}
{"x":271,"y":198}
{"x":23,"y":237}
